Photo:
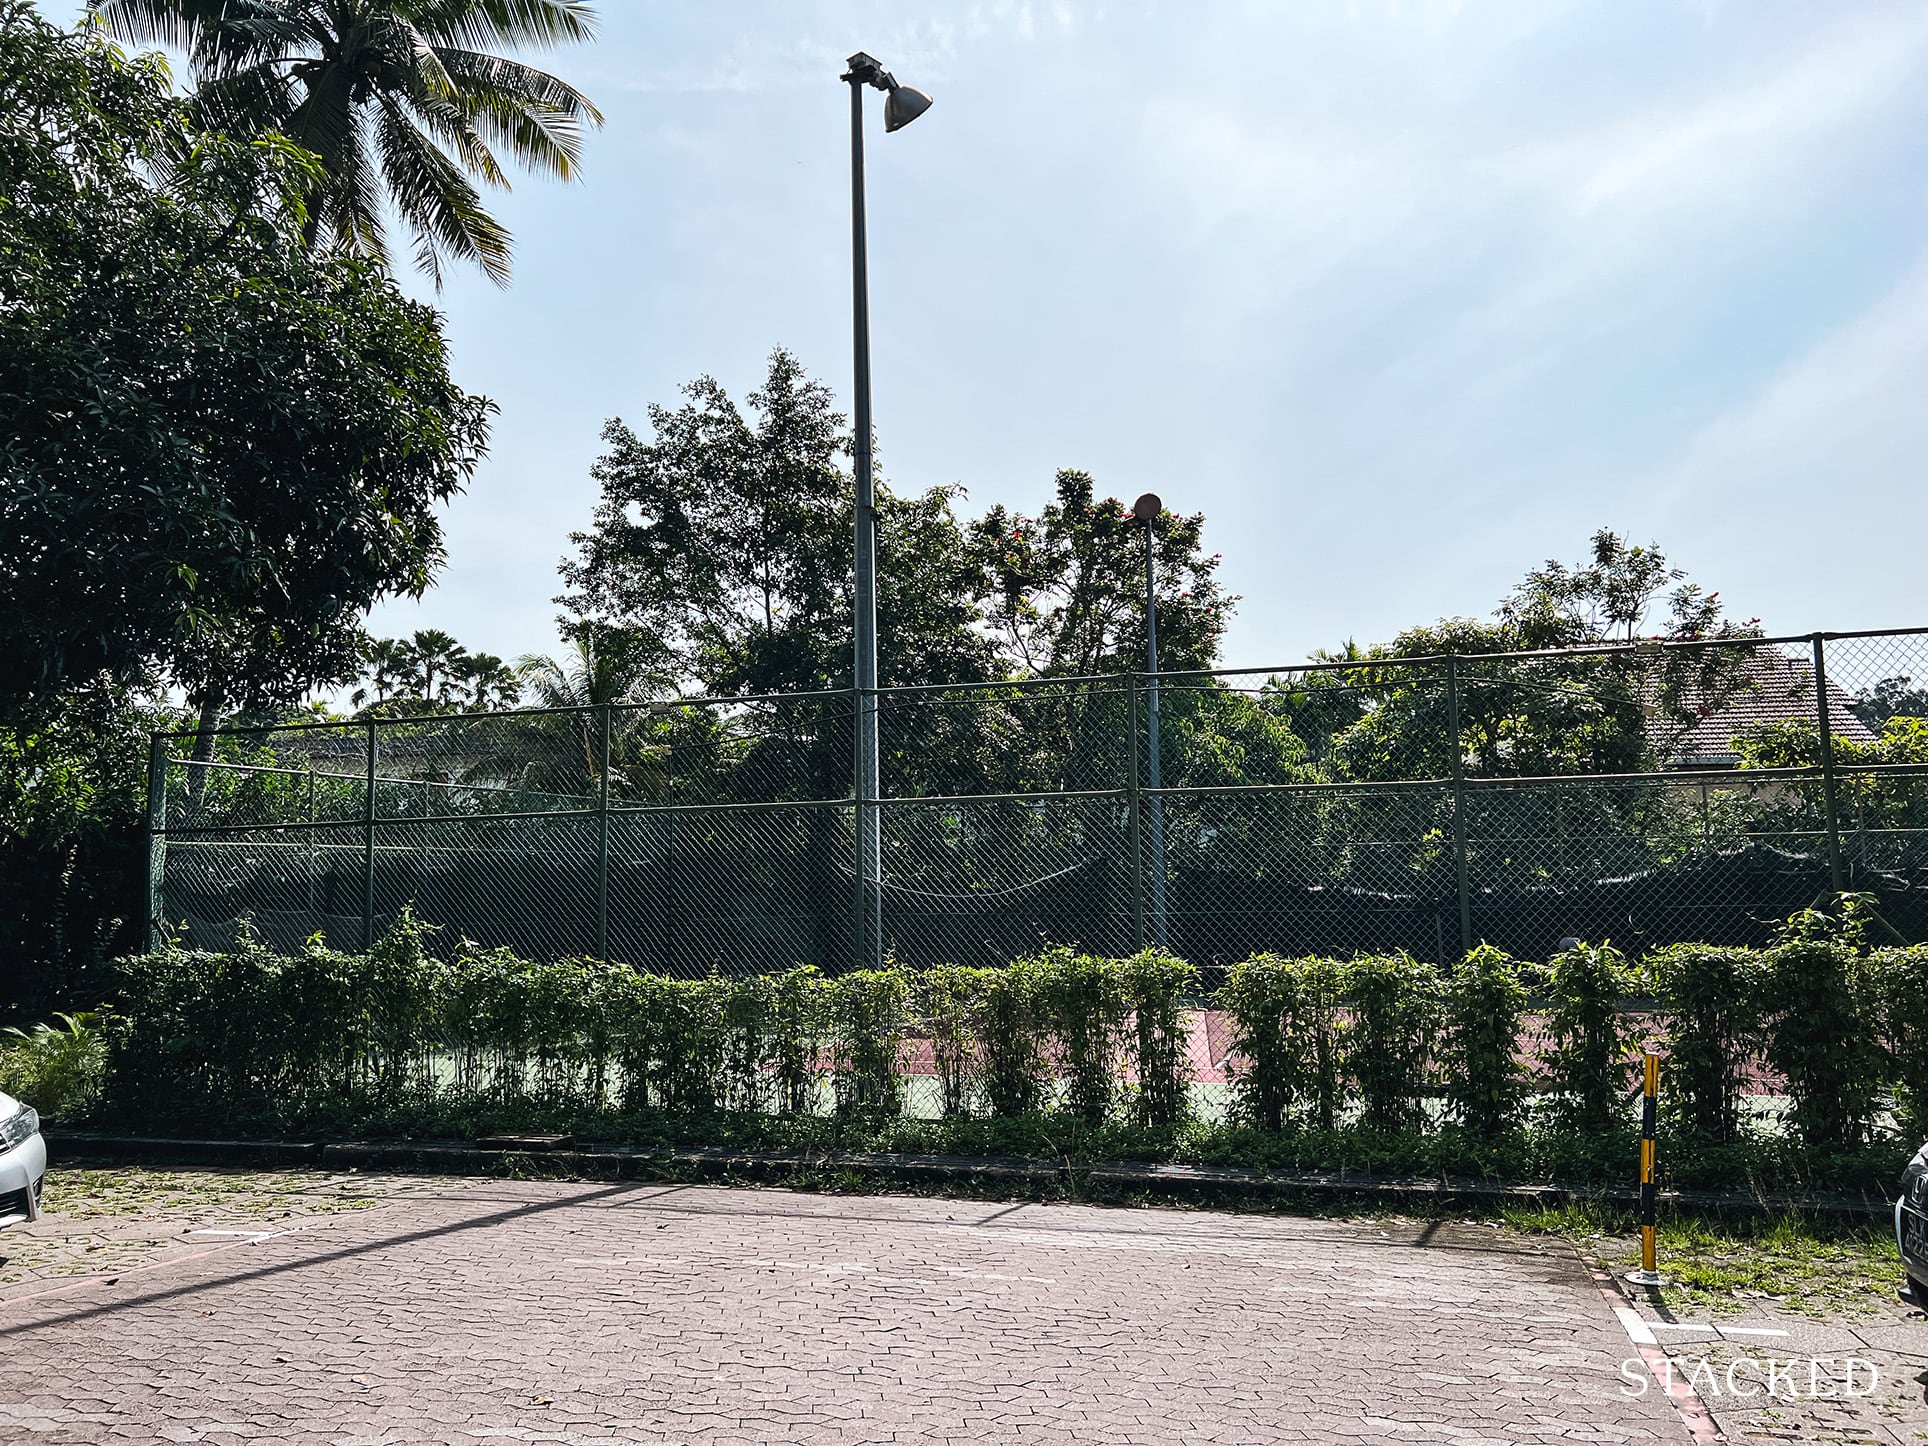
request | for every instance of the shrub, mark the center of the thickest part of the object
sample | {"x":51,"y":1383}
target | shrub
{"x":1902,"y":981}
{"x":687,"y":1025}
{"x":868,"y":1010}
{"x":1588,"y":1061}
{"x":749,"y":1040}
{"x":1156,"y":987}
{"x":1084,"y":998}
{"x":1822,"y":1016}
{"x":797,"y":1030}
{"x":1285,"y":1038}
{"x":946,"y":1000}
{"x":1711,"y":997}
{"x":1485,"y":1084}
{"x":1009,"y":1020}
{"x":58,"y":1069}
{"x":1387,"y":1044}
{"x":398,"y":989}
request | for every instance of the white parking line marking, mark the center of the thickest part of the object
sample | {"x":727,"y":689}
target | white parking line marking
{"x":244,"y":1234}
{"x":1638,"y":1331}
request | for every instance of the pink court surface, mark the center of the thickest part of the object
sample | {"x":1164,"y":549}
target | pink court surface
{"x":577,"y":1313}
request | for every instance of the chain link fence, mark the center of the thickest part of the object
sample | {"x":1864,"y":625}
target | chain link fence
{"x":1646,"y":793}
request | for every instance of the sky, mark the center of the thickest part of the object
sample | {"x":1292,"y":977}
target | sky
{"x":1404,"y":297}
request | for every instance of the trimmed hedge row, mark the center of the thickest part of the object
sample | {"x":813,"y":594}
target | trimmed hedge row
{"x":1383,"y":1043}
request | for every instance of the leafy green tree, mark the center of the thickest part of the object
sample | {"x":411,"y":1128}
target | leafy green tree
{"x":1598,"y":712}
{"x":1882,"y":808}
{"x":727,"y":537}
{"x":1065,"y":590}
{"x":601,"y":666}
{"x":402,"y":101}
{"x":437,"y":658}
{"x":430,"y":672}
{"x":73,"y":855}
{"x":1890,"y":698}
{"x":207,"y":432}
{"x":387,"y":671}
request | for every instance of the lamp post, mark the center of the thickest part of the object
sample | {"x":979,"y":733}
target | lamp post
{"x":902,"y":106}
{"x":1146,"y":510}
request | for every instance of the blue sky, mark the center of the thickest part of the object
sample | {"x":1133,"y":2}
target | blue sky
{"x":1405,"y":297}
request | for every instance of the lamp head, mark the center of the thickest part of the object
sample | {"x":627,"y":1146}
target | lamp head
{"x":903,"y":105}
{"x":1147,"y":507}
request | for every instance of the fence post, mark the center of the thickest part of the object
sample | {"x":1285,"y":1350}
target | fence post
{"x":314,"y":855}
{"x":368,"y":847}
{"x":1826,"y":737}
{"x":1458,"y":756}
{"x":602,"y":846}
{"x":1134,"y":822}
{"x":156,"y":835}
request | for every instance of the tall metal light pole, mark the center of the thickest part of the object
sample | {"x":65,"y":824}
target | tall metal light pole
{"x":1146,"y":509}
{"x":902,"y":107}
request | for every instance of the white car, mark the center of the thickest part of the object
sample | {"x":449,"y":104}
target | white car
{"x":23,"y":1162}
{"x":1911,"y":1229}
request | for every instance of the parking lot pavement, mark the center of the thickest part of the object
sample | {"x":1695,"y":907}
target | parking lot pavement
{"x":489,"y":1311}
{"x":1860,"y":1381}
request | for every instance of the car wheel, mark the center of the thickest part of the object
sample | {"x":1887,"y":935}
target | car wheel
{"x":1919,"y":1290}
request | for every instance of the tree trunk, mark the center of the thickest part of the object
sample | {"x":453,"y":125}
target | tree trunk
{"x":213,"y":702}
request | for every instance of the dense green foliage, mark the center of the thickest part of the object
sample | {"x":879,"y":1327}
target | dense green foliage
{"x":1378,"y":1062}
{"x":1485,"y":1083}
{"x":1590,"y":1039}
{"x":57,"y":1068}
{"x":430,"y":672}
{"x":1902,"y":975}
{"x":1591,"y":711}
{"x":73,"y":854}
{"x":1396,"y":1021}
{"x":217,"y":448}
{"x":1822,"y":1001}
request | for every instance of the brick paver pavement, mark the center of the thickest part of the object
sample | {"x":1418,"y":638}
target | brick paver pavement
{"x":591,"y":1313}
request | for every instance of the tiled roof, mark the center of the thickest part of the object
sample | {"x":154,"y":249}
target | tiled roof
{"x":1775,"y":688}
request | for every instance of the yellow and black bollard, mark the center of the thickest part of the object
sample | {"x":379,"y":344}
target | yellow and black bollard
{"x":1649,"y":1272}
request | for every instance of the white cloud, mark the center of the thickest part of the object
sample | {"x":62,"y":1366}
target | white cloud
{"x":1810,"y":501}
{"x":1844,"y":418}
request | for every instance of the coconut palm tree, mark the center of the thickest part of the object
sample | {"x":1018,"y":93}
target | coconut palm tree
{"x":404,"y":101}
{"x":602,"y":665}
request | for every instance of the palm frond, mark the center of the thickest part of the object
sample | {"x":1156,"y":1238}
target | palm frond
{"x":402,"y":96}
{"x":179,"y":23}
{"x":447,"y":121}
{"x":528,"y":113}
{"x":351,"y":206}
{"x":436,"y":199}
{"x":483,"y":24}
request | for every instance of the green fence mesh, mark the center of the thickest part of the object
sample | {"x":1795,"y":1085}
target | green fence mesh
{"x":1648,"y":793}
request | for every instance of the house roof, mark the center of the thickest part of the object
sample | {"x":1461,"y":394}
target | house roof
{"x":1774,"y":687}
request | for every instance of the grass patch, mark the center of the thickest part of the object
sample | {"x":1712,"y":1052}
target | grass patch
{"x":1813,"y":1267}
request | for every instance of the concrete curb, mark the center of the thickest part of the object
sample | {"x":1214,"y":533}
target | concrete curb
{"x":1199,"y":1184}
